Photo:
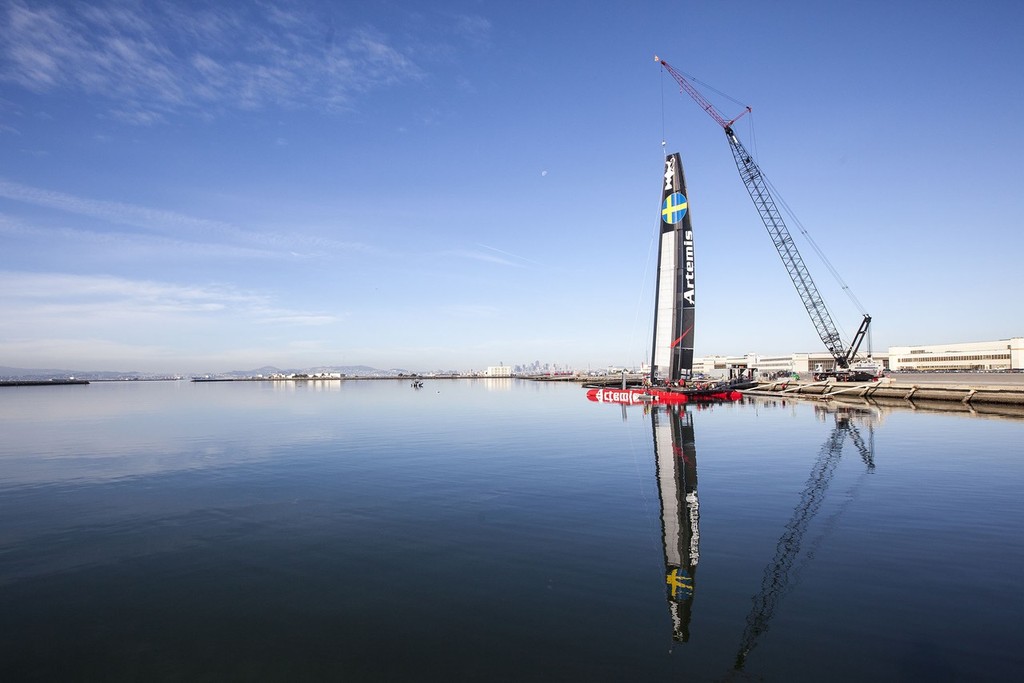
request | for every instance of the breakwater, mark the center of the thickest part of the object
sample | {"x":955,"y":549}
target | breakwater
{"x":39,"y":382}
{"x":989,"y":389}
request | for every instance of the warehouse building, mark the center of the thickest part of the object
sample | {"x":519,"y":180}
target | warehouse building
{"x":1004,"y":354}
{"x":999,"y":355}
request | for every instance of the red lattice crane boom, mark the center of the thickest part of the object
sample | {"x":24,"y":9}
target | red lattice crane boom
{"x":699,"y":98}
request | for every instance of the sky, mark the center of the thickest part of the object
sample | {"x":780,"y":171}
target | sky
{"x":198,"y":187}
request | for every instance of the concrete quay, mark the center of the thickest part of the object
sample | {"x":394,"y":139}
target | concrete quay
{"x":966,"y":388}
{"x":40,"y":382}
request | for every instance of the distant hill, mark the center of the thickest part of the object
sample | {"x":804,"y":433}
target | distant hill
{"x":361,"y":370}
{"x":51,"y":373}
{"x":265,"y":371}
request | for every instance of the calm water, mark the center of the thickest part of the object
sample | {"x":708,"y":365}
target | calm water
{"x":500,"y":531}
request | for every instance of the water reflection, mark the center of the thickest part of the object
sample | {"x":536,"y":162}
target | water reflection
{"x":156,"y":531}
{"x":779,"y":574}
{"x":676,"y":467}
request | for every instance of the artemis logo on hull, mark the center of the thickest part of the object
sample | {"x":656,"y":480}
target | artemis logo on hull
{"x":693,"y":507}
{"x":688,"y":291}
{"x":624,"y":396}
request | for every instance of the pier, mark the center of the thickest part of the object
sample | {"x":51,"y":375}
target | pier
{"x":957,"y":388}
{"x":40,"y":382}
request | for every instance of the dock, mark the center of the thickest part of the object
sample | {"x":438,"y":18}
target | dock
{"x":39,"y":382}
{"x":956,"y":388}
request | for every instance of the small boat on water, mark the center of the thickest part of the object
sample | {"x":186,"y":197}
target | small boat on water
{"x":671,"y":379}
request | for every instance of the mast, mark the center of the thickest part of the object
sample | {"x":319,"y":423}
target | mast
{"x":672,"y":347}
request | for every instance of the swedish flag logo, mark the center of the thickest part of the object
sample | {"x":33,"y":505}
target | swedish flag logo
{"x":674,"y":208}
{"x":680,"y":582}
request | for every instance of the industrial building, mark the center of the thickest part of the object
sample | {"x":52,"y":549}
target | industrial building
{"x":759,"y":366}
{"x":1004,"y":354}
{"x":999,"y":355}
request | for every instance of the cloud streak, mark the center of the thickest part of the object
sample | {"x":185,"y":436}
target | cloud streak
{"x":63,"y":301}
{"x":172,"y":225}
{"x":485,"y":257}
{"x":150,"y":61}
{"x":113,"y":212}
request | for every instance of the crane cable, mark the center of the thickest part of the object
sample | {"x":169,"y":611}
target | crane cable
{"x":833,"y":271}
{"x":803,"y":231}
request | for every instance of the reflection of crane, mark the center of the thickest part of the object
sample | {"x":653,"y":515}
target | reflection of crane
{"x":867,"y":451}
{"x":757,"y":187}
{"x":778,"y":572}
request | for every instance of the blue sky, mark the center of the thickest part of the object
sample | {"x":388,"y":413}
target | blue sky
{"x":199,"y":187}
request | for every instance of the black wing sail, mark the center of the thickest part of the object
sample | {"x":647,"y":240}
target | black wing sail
{"x":672,"y":353}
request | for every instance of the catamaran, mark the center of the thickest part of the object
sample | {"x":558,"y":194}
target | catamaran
{"x":671,"y":379}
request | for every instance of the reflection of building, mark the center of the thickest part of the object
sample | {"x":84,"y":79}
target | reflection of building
{"x":676,"y":462}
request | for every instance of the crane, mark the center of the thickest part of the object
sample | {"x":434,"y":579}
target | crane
{"x":757,"y":187}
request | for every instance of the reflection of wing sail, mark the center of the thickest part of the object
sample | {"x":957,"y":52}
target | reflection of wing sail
{"x":666,"y":483}
{"x":676,"y":465}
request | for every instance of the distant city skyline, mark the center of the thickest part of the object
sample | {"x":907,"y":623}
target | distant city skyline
{"x":197,"y":188}
{"x":976,"y":350}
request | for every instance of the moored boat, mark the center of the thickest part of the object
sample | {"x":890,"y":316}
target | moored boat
{"x":664,"y":396}
{"x":671,"y":379}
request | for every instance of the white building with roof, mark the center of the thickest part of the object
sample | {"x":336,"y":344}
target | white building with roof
{"x":1003,"y":354}
{"x":499,"y":371}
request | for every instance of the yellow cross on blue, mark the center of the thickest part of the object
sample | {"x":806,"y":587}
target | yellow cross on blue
{"x":676,"y":581}
{"x":673,"y":208}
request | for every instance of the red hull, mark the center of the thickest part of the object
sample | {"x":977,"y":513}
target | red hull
{"x":661,"y":396}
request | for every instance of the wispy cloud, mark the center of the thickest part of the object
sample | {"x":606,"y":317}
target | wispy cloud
{"x":84,"y":353}
{"x":507,"y":253}
{"x":67,"y":293}
{"x":67,"y":301}
{"x":108,"y":322}
{"x":470,"y":311}
{"x":491,"y":255}
{"x":473,"y":27}
{"x":153,"y":59}
{"x":494,"y":256}
{"x":282,"y":317}
{"x":172,"y":225}
{"x":128,"y":246}
{"x":113,"y":212}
